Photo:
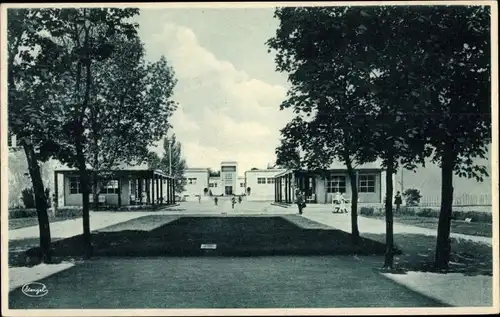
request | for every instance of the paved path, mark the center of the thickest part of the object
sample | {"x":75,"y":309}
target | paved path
{"x":102,"y":219}
{"x":376,"y":226}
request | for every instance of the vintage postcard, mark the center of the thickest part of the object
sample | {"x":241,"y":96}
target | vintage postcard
{"x":255,"y":158}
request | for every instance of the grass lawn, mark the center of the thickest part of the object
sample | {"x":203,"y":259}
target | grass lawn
{"x":467,"y":257}
{"x":234,"y":236}
{"x":18,"y":223}
{"x":221,"y":282}
{"x":482,"y":229}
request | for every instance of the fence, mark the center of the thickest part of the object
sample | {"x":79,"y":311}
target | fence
{"x":460,"y":200}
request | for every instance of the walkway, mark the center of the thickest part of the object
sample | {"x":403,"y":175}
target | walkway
{"x":376,"y":226}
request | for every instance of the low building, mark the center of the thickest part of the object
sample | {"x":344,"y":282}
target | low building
{"x":260,"y":184}
{"x":196,"y":182}
{"x":321,"y":188}
{"x":124,"y":186}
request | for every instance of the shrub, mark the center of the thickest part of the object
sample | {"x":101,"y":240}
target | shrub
{"x":405,"y":211}
{"x":367,"y":211}
{"x":412,"y":197}
{"x":28,"y":198}
{"x":205,"y":190}
{"x":248,"y":190}
{"x":427,"y":212}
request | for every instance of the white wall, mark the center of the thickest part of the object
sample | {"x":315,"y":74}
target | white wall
{"x":240,"y":190}
{"x":201,"y":182}
{"x":261,"y":192}
{"x":215,"y":186}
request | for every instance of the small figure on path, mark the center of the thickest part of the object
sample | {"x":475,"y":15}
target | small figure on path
{"x":398,"y":201}
{"x":299,"y":199}
{"x":239,"y":199}
{"x":199,"y":199}
{"x":336,"y":202}
{"x":233,"y":201}
{"x":216,"y":201}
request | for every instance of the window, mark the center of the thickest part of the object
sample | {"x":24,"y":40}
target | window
{"x":261,"y":180}
{"x":335,"y":184}
{"x":111,"y":187}
{"x":270,"y":180}
{"x":242,"y":184}
{"x":366,"y":184}
{"x":74,"y":185}
{"x":228,"y":169}
{"x":212,"y":185}
{"x":192,"y":181}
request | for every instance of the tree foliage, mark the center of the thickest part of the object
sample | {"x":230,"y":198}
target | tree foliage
{"x":394,"y":83}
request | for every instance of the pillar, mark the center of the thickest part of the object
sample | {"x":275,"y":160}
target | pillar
{"x":119,"y":191}
{"x":56,"y":191}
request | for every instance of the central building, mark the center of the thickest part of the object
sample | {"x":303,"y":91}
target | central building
{"x":229,"y":178}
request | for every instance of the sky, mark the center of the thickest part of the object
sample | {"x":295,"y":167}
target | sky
{"x":228,"y":90}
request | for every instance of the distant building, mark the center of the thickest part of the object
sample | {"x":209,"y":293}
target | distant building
{"x":322,"y":188}
{"x":260,"y":184}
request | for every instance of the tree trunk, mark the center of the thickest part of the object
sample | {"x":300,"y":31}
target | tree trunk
{"x":389,"y":221}
{"x":84,"y":184}
{"x":354,"y":203}
{"x":40,"y":201}
{"x":443,"y":245}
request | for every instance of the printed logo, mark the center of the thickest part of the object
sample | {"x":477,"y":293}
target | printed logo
{"x":34,"y":289}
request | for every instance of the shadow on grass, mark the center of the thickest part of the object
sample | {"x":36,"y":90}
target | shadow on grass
{"x":234,"y":236}
{"x":468,"y":257}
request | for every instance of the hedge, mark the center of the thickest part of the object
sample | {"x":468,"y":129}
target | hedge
{"x":475,"y":216}
{"x":73,"y":212}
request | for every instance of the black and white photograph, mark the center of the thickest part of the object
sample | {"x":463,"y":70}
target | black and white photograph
{"x":249,"y":158}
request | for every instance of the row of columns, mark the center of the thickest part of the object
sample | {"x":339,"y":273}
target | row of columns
{"x":284,"y":189}
{"x":153,"y":188}
{"x":285,"y":185}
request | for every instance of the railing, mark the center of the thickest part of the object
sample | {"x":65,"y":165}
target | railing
{"x":461,"y":200}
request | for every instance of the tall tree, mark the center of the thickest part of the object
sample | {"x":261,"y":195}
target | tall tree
{"x":116,"y":105}
{"x":352,"y":69}
{"x":173,"y":161}
{"x":35,"y":79}
{"x":458,"y":103}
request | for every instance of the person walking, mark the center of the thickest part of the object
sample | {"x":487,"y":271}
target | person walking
{"x":199,"y":199}
{"x":233,"y":201}
{"x":216,"y":201}
{"x":299,"y":199}
{"x":398,"y":201}
{"x":239,"y":199}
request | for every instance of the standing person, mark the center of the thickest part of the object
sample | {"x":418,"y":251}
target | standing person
{"x":398,"y":201}
{"x":233,"y":201}
{"x":342,"y":203}
{"x":216,"y":201}
{"x":299,"y":199}
{"x":239,"y":199}
{"x":199,"y":199}
{"x":336,"y":202}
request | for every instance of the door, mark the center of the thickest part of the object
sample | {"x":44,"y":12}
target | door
{"x":228,"y":190}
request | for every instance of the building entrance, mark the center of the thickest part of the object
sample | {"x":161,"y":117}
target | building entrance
{"x":228,"y":190}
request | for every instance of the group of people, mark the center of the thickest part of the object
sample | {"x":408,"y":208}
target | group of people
{"x":233,"y":201}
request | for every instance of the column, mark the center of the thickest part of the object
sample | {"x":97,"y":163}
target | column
{"x":158,"y":188}
{"x":139,"y":190}
{"x":276,"y":189}
{"x":56,"y":191}
{"x":119,"y":191}
{"x":161,"y":190}
{"x":152,"y":188}
{"x":173,"y":190}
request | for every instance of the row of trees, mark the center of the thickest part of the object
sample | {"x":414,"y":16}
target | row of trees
{"x":392,"y":83}
{"x":171,"y":161}
{"x":80,"y":91}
